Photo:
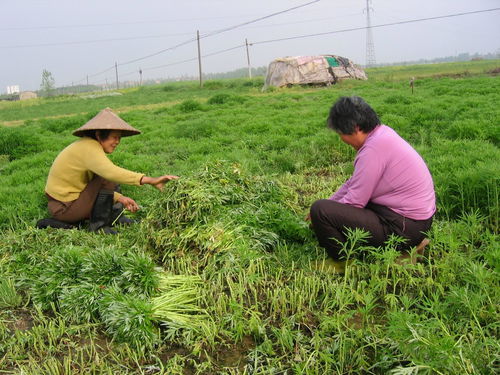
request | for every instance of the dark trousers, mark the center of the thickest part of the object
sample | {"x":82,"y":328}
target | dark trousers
{"x":330,"y":219}
{"x":80,"y":208}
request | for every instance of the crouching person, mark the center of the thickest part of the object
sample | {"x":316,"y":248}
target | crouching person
{"x":390,"y":192}
{"x":82,"y":182}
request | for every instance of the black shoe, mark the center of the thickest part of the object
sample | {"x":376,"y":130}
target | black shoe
{"x":100,"y":217}
{"x":53,"y":223}
{"x":118,"y":217}
{"x":124,"y":220}
{"x":107,"y":230}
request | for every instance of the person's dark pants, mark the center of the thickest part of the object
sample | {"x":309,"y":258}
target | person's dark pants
{"x":79,"y":209}
{"x":330,"y":219}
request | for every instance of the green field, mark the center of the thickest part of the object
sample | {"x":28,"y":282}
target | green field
{"x":218,"y":276}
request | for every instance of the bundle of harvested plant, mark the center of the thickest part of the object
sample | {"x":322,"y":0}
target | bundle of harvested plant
{"x":177,"y":303}
{"x":61,"y":270}
{"x":139,"y":274}
{"x":220,"y":208}
{"x":102,"y":266}
{"x":128,"y":318}
{"x":80,"y":302}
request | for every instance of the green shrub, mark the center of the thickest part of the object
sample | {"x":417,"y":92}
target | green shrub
{"x":397,"y":99}
{"x":63,"y":125}
{"x":214,"y":84}
{"x":465,"y":130}
{"x":18,"y":142}
{"x":465,"y":184}
{"x":194,"y":130}
{"x":219,"y":99}
{"x":190,"y":106}
{"x":226,"y":98}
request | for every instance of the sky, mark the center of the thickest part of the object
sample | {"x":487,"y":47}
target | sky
{"x":77,"y":40}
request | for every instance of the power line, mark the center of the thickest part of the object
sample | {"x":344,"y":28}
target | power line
{"x":92,"y":41}
{"x":216,"y":33}
{"x":376,"y":26}
{"x":319,"y":34}
{"x":208,"y":35}
{"x":259,"y":19}
{"x":107,"y":24}
{"x":55,"y":44}
{"x":195,"y":58}
{"x":101,"y":72}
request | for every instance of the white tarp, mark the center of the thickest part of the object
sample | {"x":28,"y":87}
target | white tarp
{"x":324,"y":69}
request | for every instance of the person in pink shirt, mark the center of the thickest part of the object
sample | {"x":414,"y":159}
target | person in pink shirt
{"x":390,"y":192}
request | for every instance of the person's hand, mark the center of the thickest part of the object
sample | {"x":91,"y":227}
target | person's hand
{"x":128,"y":203}
{"x":158,"y":182}
{"x":308,"y":219}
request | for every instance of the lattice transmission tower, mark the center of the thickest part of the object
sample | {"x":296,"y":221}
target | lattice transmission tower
{"x":370,"y":47}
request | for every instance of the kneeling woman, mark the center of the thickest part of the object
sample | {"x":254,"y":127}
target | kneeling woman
{"x":390,"y":192}
{"x":82,"y":181}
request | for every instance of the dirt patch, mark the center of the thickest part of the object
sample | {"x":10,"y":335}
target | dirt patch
{"x":170,"y":352}
{"x":322,"y":172}
{"x":494,"y":72}
{"x":235,"y":355}
{"x":453,"y":75}
{"x":12,"y":123}
{"x":356,"y":321}
{"x":23,"y":321}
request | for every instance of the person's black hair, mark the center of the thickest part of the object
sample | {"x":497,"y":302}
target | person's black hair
{"x":351,"y":111}
{"x":103,"y":133}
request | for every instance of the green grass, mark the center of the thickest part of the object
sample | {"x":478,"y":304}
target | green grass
{"x":241,"y":295}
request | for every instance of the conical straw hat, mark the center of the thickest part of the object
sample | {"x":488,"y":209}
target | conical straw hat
{"x":107,"y":120}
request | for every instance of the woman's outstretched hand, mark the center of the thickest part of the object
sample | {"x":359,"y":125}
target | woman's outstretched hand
{"x":128,"y":203}
{"x":158,"y":182}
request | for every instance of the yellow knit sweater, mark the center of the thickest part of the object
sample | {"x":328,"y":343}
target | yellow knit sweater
{"x":77,"y":164}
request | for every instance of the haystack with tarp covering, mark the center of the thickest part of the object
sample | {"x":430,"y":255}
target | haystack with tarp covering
{"x":319,"y":70}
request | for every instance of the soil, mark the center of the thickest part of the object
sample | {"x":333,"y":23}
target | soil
{"x":235,"y":355}
{"x":23,"y":321}
{"x":453,"y":75}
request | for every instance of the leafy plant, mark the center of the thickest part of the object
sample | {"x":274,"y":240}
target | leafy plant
{"x":8,"y":294}
{"x":128,"y":318}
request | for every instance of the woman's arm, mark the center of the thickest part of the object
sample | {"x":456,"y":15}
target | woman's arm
{"x":157,"y":182}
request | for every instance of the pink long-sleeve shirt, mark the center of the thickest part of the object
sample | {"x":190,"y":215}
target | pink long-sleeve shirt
{"x":389,"y":172}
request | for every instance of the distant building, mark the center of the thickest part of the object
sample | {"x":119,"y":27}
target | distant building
{"x":25,"y":95}
{"x":13,"y":89}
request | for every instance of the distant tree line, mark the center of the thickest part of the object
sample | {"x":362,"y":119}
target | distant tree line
{"x":238,"y":73}
{"x":460,"y":57}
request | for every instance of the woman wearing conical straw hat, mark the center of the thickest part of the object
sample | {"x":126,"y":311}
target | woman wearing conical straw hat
{"x":82,"y":181}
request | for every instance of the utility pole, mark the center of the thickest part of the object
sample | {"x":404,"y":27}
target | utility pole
{"x":248,"y":60}
{"x":87,"y":80}
{"x":140,"y":79}
{"x":370,"y":48}
{"x":199,"y":57}
{"x":116,"y":72}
